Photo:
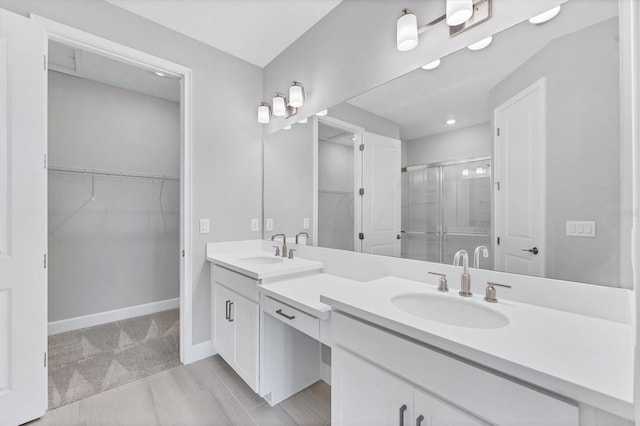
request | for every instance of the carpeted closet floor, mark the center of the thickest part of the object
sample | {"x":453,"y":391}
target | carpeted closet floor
{"x":91,"y":360}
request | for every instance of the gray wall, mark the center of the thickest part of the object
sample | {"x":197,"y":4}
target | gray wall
{"x":226,"y":138}
{"x":288,"y":179}
{"x":353,"y":48}
{"x":120,"y":249}
{"x":468,"y":142}
{"x":365,"y":119}
{"x":583,"y":149}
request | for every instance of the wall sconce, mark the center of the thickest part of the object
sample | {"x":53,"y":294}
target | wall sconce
{"x":460,"y":15}
{"x":281,"y":106}
{"x":296,"y":95}
{"x":264,"y":113}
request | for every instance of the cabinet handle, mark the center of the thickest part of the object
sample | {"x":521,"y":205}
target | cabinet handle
{"x":226,"y":309}
{"x":289,"y":317}
{"x":419,"y":420}
{"x":402,"y":410}
{"x":230,"y":307}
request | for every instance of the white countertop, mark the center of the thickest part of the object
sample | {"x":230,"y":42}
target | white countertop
{"x":303,"y":293}
{"x":234,"y":261}
{"x":583,"y":358}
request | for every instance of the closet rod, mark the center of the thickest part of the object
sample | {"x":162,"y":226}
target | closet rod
{"x":104,"y":173}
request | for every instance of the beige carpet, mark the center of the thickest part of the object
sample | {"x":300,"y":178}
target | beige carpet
{"x":91,"y":360}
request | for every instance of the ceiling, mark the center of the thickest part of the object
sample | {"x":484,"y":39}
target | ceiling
{"x":421,"y":102}
{"x":90,"y":66}
{"x":254,"y":30}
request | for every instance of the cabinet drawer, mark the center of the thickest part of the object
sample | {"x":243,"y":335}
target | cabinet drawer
{"x":295,"y":318}
{"x":248,"y":287}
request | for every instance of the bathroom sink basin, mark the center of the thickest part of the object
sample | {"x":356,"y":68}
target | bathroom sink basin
{"x":448,"y":310}
{"x":261,"y":260}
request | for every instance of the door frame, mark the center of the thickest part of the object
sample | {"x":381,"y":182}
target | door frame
{"x":539,"y":85}
{"x":77,"y":38}
{"x":357,"y":170}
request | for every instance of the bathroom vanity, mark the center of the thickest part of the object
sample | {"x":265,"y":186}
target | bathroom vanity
{"x":394,"y":361}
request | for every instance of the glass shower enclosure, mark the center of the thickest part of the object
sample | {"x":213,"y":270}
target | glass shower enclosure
{"x":446,"y":207}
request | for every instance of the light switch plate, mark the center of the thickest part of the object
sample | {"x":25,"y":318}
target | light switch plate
{"x":581,"y":228}
{"x":255,"y":225}
{"x":204,"y":226}
{"x":305,"y":223}
{"x":269,"y":224}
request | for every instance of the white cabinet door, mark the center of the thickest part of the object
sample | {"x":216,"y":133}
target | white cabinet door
{"x":223,"y":329}
{"x":363,"y":394}
{"x":23,"y":219}
{"x":244,"y":314}
{"x":431,"y":411}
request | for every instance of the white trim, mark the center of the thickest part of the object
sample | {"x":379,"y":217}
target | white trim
{"x":201,"y":351}
{"x":85,"y":321}
{"x":101,"y":46}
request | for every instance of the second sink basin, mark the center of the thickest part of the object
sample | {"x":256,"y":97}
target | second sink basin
{"x":261,"y":260}
{"x":448,"y":310}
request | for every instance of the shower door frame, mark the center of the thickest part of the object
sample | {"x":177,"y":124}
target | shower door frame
{"x":440,"y":233}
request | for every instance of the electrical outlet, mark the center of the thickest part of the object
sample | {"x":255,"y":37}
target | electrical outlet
{"x":204,"y":226}
{"x":255,"y":225}
{"x":269,"y":224}
{"x":305,"y":223}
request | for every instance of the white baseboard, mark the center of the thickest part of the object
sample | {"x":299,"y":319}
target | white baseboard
{"x":199,"y":351}
{"x":76,"y":323}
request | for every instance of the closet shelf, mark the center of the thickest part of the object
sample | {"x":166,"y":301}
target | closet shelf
{"x":93,"y":172}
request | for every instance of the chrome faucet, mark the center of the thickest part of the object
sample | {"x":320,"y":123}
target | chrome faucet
{"x":465,"y":287}
{"x":284,"y":243}
{"x":302,"y":233}
{"x":476,"y":255}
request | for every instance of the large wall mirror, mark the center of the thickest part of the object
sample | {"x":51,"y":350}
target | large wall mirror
{"x":512,"y":152}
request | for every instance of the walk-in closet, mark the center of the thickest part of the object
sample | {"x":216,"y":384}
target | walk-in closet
{"x":113,"y":223}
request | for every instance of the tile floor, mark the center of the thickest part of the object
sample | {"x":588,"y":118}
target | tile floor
{"x":207,"y":392}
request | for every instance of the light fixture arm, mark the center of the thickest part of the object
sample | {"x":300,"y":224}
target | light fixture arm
{"x":433,"y":23}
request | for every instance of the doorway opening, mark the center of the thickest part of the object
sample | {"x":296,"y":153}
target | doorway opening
{"x":135,"y":141}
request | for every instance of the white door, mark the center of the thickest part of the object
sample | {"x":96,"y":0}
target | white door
{"x":23,"y":220}
{"x":519,"y":167}
{"x":381,"y":209}
{"x":365,"y":395}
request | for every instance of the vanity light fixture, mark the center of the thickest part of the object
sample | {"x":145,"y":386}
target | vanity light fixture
{"x":296,"y":95}
{"x":465,"y":172}
{"x":431,"y":65}
{"x":279,"y":105}
{"x":451,"y":121}
{"x":460,"y":15}
{"x":545,"y":16}
{"x":264,"y":113}
{"x":303,"y":121}
{"x":322,"y":113}
{"x":481,"y":170}
{"x":479,"y":45}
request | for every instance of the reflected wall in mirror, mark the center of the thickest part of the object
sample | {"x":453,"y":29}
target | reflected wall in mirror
{"x":515,"y":147}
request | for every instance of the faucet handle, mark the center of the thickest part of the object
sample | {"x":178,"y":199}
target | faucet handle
{"x":442,"y":285}
{"x":291,"y":253}
{"x":277,"y":250}
{"x":490,"y":293}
